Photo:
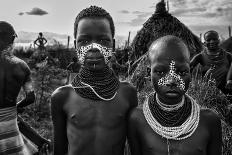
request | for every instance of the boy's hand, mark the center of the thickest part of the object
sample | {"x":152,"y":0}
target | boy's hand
{"x":45,"y":149}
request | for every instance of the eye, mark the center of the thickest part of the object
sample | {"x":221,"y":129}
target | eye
{"x":104,"y":40}
{"x":83,"y":41}
{"x":158,"y":72}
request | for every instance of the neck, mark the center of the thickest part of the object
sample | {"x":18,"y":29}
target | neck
{"x":96,"y":85}
{"x":6,"y":52}
{"x":88,"y":73}
{"x":213,"y":51}
{"x":169,"y":101}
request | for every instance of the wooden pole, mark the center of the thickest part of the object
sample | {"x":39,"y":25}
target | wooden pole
{"x":125,"y":44}
{"x":229,"y":28}
{"x":168,"y":5}
{"x":128,"y":41}
{"x":68,"y":41}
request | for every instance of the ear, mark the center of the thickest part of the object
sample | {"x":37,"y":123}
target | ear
{"x":75,"y":43}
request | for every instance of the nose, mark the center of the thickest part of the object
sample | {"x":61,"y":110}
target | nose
{"x":212,"y":41}
{"x":94,"y":50}
{"x":172,"y":82}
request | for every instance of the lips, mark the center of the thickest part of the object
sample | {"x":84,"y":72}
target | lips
{"x":172,"y":92}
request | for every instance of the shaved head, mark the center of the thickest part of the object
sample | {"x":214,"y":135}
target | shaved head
{"x":170,"y":69}
{"x":169,"y":48}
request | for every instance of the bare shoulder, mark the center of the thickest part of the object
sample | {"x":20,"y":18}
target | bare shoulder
{"x":127,"y":86}
{"x":210,"y":118}
{"x":60,"y":95}
{"x":136,"y":115}
{"x":130,"y":92}
{"x":21,"y":63}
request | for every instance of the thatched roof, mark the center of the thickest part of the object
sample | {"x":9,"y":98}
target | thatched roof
{"x":227,"y":45}
{"x":162,"y":23}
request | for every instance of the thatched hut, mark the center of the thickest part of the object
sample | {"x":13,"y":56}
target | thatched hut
{"x":162,"y":23}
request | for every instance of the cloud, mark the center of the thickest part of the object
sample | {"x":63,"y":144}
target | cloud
{"x":191,"y":12}
{"x":208,"y":10}
{"x":140,"y":19}
{"x":188,"y":12}
{"x":21,"y":13}
{"x":124,"y":12}
{"x":37,"y":12}
{"x":137,"y":12}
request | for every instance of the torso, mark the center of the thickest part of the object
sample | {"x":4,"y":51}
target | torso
{"x":221,"y":66}
{"x":13,"y":73}
{"x":96,"y":127}
{"x":219,"y":62}
{"x":41,"y":42}
{"x":154,"y":144}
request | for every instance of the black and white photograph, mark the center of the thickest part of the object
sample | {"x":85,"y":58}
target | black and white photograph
{"x":115,"y":77}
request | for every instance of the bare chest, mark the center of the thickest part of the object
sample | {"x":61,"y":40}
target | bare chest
{"x":85,"y":113}
{"x":155,"y":144}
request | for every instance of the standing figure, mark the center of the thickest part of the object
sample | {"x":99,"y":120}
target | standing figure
{"x":90,"y":115}
{"x":171,"y":122}
{"x":40,"y":42}
{"x":216,"y":61}
{"x":14,"y":74}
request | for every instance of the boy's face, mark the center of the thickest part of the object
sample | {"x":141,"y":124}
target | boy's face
{"x":170,"y":72}
{"x":95,"y":38}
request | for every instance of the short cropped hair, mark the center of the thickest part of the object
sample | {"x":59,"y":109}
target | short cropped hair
{"x":7,"y":30}
{"x":94,"y":12}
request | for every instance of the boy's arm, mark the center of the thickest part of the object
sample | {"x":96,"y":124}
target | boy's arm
{"x":215,"y":144}
{"x":27,"y":88}
{"x":133,"y":139}
{"x":60,"y":142}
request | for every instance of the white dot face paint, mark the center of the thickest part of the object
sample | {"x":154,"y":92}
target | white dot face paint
{"x":82,"y":51}
{"x":172,"y":76}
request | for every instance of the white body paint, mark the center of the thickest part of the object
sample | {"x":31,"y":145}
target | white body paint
{"x":82,"y":51}
{"x":170,"y":76}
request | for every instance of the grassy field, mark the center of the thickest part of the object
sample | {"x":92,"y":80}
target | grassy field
{"x":46,"y":79}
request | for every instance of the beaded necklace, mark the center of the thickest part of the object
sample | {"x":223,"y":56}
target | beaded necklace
{"x":177,"y":132}
{"x":96,"y":85}
{"x":216,"y":59}
{"x":167,"y":107}
{"x":170,"y":118}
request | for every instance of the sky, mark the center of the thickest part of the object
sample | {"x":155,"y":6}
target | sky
{"x":58,"y":15}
